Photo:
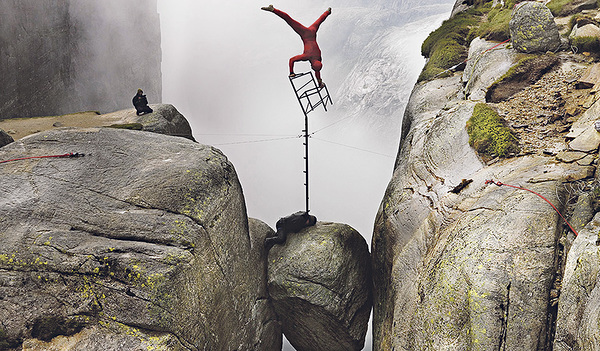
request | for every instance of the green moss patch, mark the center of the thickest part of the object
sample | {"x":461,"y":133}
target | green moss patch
{"x":562,"y":8}
{"x":447,"y":46}
{"x":495,"y":27}
{"x":488,"y":133}
{"x":132,"y":126}
{"x":586,"y":44}
{"x":556,"y":6}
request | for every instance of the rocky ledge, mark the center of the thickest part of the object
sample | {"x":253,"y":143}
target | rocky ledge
{"x":141,"y":243}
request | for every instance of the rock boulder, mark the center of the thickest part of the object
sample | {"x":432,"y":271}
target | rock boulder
{"x":5,"y":139}
{"x":143,"y":243}
{"x":532,"y":28}
{"x":320,"y":285}
{"x":164,"y":120}
{"x":484,"y":68}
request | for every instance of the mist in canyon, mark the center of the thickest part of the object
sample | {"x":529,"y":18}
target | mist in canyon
{"x":225,"y":68}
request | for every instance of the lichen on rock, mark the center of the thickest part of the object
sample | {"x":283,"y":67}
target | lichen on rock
{"x":532,"y":28}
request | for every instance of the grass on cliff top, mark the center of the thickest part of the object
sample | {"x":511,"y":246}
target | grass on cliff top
{"x":556,"y":6}
{"x":495,"y":25}
{"x":448,"y":45}
{"x":489,"y":135}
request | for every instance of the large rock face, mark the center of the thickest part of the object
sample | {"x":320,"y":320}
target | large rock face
{"x":532,"y":28}
{"x":61,"y":56}
{"x":466,"y":270}
{"x":320,"y":285}
{"x":141,"y":244}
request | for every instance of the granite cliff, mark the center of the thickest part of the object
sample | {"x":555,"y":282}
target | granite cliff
{"x":462,"y":263}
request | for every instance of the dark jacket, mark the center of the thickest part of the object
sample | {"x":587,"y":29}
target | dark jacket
{"x":139,"y":101}
{"x":294,"y":222}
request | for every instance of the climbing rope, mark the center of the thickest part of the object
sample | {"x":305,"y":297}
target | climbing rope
{"x":490,"y":181}
{"x":70,"y":154}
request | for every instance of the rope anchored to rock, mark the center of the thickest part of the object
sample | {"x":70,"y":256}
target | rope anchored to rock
{"x":67,"y":155}
{"x":490,"y":181}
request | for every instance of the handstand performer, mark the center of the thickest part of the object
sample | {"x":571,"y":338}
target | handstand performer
{"x":311,"y":52}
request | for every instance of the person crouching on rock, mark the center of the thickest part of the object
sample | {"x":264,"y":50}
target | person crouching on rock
{"x":141,"y":103}
{"x":290,"y":224}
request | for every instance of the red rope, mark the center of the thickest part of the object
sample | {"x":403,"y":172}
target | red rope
{"x":531,"y":191}
{"x":70,"y":154}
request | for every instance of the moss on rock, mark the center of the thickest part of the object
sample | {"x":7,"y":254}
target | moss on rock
{"x":488,"y":133}
{"x":556,"y":6}
{"x":132,"y":126}
{"x":447,"y":46}
{"x":586,"y":44}
{"x":495,"y":27}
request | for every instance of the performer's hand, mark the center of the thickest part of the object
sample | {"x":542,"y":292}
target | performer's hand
{"x":329,"y":10}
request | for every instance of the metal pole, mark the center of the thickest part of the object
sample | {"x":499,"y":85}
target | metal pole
{"x":306,"y":156}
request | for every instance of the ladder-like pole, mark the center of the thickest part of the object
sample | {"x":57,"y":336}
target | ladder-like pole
{"x":304,"y":93}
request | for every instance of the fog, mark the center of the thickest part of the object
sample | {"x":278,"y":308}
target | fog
{"x":225,"y":67}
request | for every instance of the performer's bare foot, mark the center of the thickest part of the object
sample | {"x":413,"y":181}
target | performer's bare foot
{"x":292,"y":75}
{"x":269,"y":8}
{"x":321,"y":84}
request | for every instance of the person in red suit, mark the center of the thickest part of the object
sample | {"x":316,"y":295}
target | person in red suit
{"x":311,"y":52}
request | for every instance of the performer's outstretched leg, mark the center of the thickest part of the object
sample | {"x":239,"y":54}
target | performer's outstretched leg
{"x":315,"y":26}
{"x":296,"y":26}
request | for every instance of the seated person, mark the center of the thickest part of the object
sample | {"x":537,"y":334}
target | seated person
{"x":141,"y":103}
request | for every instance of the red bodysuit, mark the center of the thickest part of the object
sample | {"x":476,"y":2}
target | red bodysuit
{"x":311,"y":52}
